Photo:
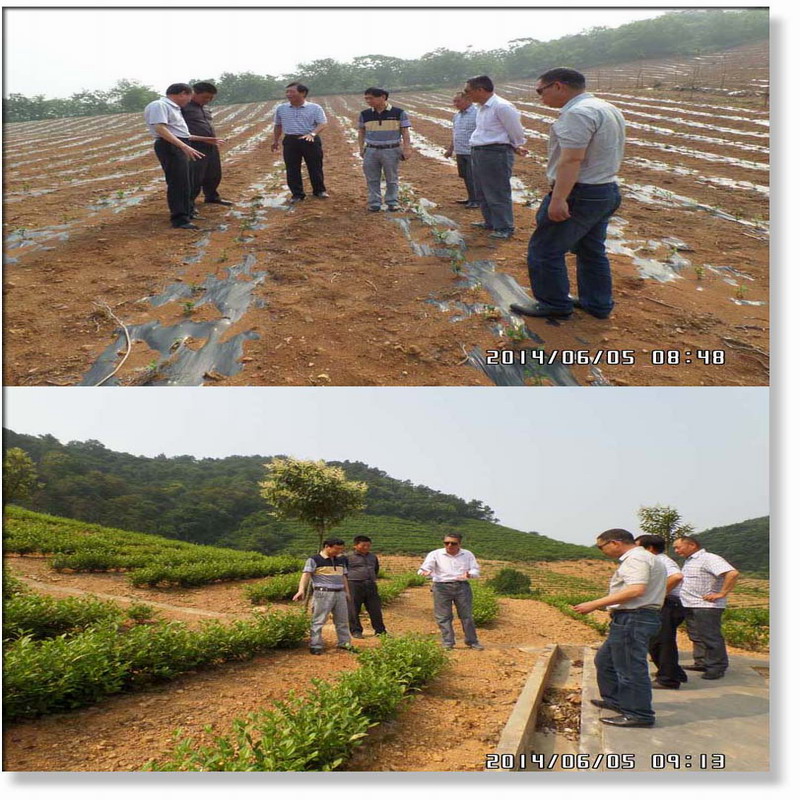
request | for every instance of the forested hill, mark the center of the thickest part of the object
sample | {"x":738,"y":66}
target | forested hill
{"x":202,"y":500}
{"x":744,"y":544}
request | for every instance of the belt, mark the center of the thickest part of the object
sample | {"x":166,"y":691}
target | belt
{"x":383,"y":146}
{"x":326,"y":589}
{"x":653,"y":609}
{"x":495,"y":144}
{"x":435,"y":582}
{"x":297,"y":135}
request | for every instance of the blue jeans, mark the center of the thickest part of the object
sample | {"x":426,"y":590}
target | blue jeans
{"x":492,"y":166}
{"x":623,"y":674}
{"x":584,"y":234}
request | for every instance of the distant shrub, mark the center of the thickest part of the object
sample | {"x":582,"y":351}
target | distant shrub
{"x":510,"y":581}
{"x":140,"y":612}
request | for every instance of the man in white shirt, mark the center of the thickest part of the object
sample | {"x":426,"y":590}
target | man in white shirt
{"x":451,"y":567}
{"x":168,"y":127}
{"x":498,"y":135}
{"x":664,"y":647}
{"x":634,"y":599}
{"x":707,"y":581}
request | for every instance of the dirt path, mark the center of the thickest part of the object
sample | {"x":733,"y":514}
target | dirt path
{"x":461,"y":713}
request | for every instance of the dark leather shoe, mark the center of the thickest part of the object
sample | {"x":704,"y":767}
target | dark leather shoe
{"x":712,"y":676}
{"x":604,"y":704}
{"x":577,"y":304}
{"x":296,"y":199}
{"x":481,"y":225}
{"x":657,"y":685}
{"x":219,"y":202}
{"x":322,"y":195}
{"x":315,"y":651}
{"x":538,"y":310}
{"x":462,"y":202}
{"x":357,"y":635}
{"x":188,"y":226}
{"x":195,"y":215}
{"x":472,"y":205}
{"x":393,"y":208}
{"x":695,"y":668}
{"x":627,"y":722}
{"x":501,"y":234}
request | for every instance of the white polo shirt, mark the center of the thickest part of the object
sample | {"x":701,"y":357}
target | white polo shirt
{"x":672,"y":569}
{"x":497,"y":122}
{"x":637,"y":566}
{"x":165,"y":111}
{"x":703,"y":573}
{"x":445,"y":568}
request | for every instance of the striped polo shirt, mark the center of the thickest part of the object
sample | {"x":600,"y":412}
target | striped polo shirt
{"x":703,"y":574}
{"x":299,"y":120}
{"x":164,"y":111}
{"x":383,"y":127}
{"x":328,"y":573}
{"x":463,"y":125}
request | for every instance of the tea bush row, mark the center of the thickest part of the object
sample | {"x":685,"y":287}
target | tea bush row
{"x":43,"y":677}
{"x":317,"y":731}
{"x":747,"y":628}
{"x":485,"y":606}
{"x":201,"y":573}
{"x":564,"y":603}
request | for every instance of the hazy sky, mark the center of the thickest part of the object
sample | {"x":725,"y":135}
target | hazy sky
{"x":57,"y":51}
{"x":565,"y":462}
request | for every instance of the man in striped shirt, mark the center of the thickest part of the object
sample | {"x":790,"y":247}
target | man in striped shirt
{"x":300,"y":123}
{"x":707,"y":581}
{"x":464,"y":121}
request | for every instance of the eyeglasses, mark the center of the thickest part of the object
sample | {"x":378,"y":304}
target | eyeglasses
{"x":446,"y":543}
{"x":547,"y":86}
{"x":601,"y":546}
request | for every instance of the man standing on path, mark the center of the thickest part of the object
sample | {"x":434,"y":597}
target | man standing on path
{"x":363,"y":567}
{"x":167,"y":125}
{"x":326,"y":571}
{"x":384,"y":140}
{"x":451,"y":567}
{"x":464,"y":121}
{"x":584,"y":154}
{"x":707,"y":581}
{"x":497,"y":136}
{"x":300,"y":123}
{"x":664,"y":647}
{"x":207,"y":172}
{"x":634,"y":599}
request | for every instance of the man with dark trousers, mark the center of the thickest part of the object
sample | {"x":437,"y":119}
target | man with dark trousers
{"x":363,"y":569}
{"x":635,"y":597}
{"x":206,"y":172}
{"x":168,"y":127}
{"x":299,"y":122}
{"x":664,"y":646}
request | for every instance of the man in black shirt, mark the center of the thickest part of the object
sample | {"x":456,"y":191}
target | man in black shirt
{"x":363,"y":569}
{"x":206,"y":172}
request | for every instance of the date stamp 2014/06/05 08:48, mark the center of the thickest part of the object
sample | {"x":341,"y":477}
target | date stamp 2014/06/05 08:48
{"x":656,"y":358}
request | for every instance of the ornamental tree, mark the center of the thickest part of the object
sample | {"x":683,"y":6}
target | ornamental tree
{"x":663,"y":521}
{"x":312,"y":492}
{"x":19,"y":476}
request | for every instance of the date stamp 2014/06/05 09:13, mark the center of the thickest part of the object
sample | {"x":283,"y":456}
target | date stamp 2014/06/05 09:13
{"x":604,"y":761}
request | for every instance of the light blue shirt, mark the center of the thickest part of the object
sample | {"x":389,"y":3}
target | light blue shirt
{"x":299,"y":120}
{"x":164,"y":111}
{"x":463,"y":125}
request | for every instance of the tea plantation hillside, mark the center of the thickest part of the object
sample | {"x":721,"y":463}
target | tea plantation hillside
{"x":152,"y":559}
{"x":744,"y":544}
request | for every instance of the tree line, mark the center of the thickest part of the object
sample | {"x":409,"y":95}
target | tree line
{"x":203,"y":500}
{"x":678,"y":33}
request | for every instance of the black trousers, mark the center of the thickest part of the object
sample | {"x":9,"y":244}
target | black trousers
{"x":704,"y":626}
{"x":297,"y":150}
{"x":664,"y":645}
{"x":365,"y":593}
{"x":206,"y":172}
{"x":464,"y":164}
{"x":175,"y":164}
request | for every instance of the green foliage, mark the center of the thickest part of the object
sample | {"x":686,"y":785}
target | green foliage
{"x":485,"y":607}
{"x":19,"y":476}
{"x":663,"y":521}
{"x":747,"y":628}
{"x":221,"y":569}
{"x":744,"y":544}
{"x":43,"y":677}
{"x":564,"y":603}
{"x":318,"y":731}
{"x":12,"y":585}
{"x":393,"y":588}
{"x":283,"y":587}
{"x":510,"y":581}
{"x":140,"y":612}
{"x":312,"y":492}
{"x":43,"y":617}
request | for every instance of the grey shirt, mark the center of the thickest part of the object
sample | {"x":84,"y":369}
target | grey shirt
{"x":586,"y":122}
{"x":637,"y":566}
{"x":362,"y":568}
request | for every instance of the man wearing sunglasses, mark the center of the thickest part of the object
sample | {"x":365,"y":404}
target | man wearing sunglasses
{"x":635,"y":598}
{"x":450,"y":568}
{"x":584,"y":155}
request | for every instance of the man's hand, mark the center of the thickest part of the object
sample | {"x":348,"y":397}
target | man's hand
{"x":558,"y":210}
{"x":711,"y":596}
{"x":406,"y":153}
{"x":448,"y":153}
{"x":585,"y":608}
{"x":299,"y":596}
{"x":308,"y":137}
{"x":192,"y":154}
{"x":521,"y":151}
{"x":275,"y":146}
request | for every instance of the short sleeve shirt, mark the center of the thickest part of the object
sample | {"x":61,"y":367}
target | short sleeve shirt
{"x":637,"y":566}
{"x":328,"y":573}
{"x":586,"y":122}
{"x":299,"y":120}
{"x":464,"y":123}
{"x":703,"y":573}
{"x":165,"y":111}
{"x":672,"y":569}
{"x":383,"y":127}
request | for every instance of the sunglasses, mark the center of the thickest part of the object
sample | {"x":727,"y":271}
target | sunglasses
{"x":446,"y":543}
{"x":542,"y":88}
